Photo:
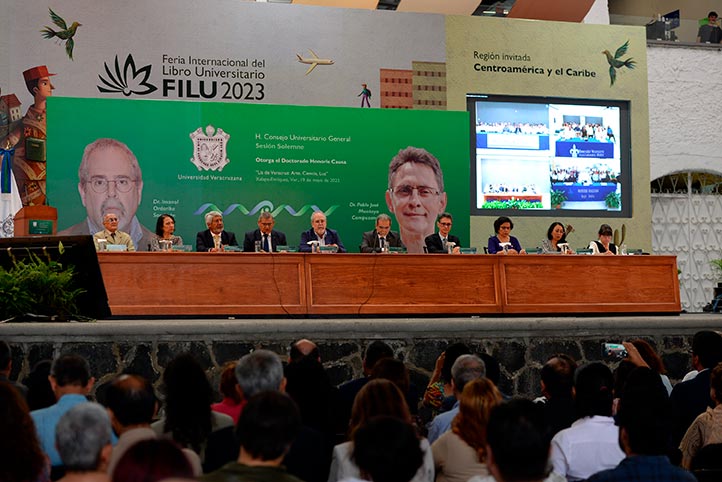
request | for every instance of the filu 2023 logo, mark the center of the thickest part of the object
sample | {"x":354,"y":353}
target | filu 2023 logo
{"x":130,"y":79}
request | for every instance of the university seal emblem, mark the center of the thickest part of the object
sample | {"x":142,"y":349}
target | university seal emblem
{"x":209,"y":149}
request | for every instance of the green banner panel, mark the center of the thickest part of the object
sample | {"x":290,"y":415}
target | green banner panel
{"x":242,"y":159}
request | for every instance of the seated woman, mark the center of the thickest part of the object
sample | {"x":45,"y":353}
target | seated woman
{"x":164,"y":228}
{"x":503,"y":227}
{"x":460,"y":453}
{"x":604,"y":245}
{"x":556,"y":236}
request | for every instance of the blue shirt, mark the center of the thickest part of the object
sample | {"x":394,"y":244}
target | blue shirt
{"x":442,"y":423}
{"x":644,"y":468}
{"x":46,"y":420}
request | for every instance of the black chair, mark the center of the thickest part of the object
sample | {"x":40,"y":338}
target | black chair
{"x":707,"y":464}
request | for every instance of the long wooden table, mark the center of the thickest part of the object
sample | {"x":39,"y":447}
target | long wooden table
{"x":166,"y":284}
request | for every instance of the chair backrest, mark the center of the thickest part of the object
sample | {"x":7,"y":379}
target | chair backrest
{"x":708,"y":457}
{"x":486,"y":250}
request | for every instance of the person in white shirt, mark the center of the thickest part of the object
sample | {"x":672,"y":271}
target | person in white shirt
{"x":591,"y":444}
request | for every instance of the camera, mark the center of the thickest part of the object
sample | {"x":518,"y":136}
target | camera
{"x":614,"y":351}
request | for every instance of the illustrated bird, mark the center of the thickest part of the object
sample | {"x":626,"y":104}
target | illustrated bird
{"x":64,"y":34}
{"x":617,"y":63}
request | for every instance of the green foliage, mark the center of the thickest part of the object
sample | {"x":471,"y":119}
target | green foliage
{"x":558,"y":197}
{"x":512,"y":204}
{"x":717,"y":265}
{"x":613,"y":200}
{"x":34,"y":286}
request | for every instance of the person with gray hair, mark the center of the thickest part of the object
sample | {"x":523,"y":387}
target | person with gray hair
{"x":465,"y":369}
{"x":83,"y":440}
{"x":381,"y":238}
{"x":259,"y":371}
{"x":110,"y":181}
{"x":214,"y":239}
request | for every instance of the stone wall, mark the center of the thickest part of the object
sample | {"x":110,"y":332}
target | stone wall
{"x":521,"y":345}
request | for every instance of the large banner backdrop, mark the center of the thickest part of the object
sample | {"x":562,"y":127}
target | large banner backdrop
{"x":242,"y":159}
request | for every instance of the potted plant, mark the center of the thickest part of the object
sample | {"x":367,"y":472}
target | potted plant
{"x":557,"y":198}
{"x":37,"y":289}
{"x":613,"y":200}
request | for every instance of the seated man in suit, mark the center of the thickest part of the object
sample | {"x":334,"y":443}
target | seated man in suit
{"x":319,"y":232}
{"x":381,"y":237}
{"x":438,"y":243}
{"x":214,"y":238}
{"x":265,"y":233}
{"x":111,"y":234}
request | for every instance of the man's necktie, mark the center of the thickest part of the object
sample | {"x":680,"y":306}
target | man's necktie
{"x":444,"y":243}
{"x":112,"y":238}
{"x":216,"y":241}
{"x":266,"y":246}
{"x":382,"y":242}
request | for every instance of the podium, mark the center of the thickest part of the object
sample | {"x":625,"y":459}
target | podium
{"x":36,"y":220}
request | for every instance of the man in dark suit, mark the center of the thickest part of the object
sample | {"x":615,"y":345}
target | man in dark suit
{"x":692,"y":397}
{"x":319,"y":232}
{"x":439,"y":242}
{"x":214,"y":238}
{"x":381,"y":237}
{"x":265,"y":234}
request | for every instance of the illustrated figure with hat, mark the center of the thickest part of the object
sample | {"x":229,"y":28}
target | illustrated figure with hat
{"x":29,"y":139}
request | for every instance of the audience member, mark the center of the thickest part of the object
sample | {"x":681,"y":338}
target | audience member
{"x":692,"y":397}
{"x":707,"y":427}
{"x":465,"y":369}
{"x":188,"y":418}
{"x":132,"y":405}
{"x":40,"y":392}
{"x":591,"y":444}
{"x":83,"y":439}
{"x":21,"y":457}
{"x":642,"y":354}
{"x":643,"y":419}
{"x":439,"y":395}
{"x":460,"y":453}
{"x":396,"y":371}
{"x":267,"y":427}
{"x":303,"y":348}
{"x":376,"y":398}
{"x":386,"y":449}
{"x":310,"y":454}
{"x":6,"y":367}
{"x":375,"y":351}
{"x":317,"y":399}
{"x":268,"y":238}
{"x":215,"y":238}
{"x":557,"y":382}
{"x":710,"y":32}
{"x":152,"y":460}
{"x":320,"y":234}
{"x":231,"y":404}
{"x":71,"y":382}
{"x":517,"y":444}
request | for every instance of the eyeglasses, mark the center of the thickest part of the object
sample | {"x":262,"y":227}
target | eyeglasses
{"x":101,"y":184}
{"x":445,"y":224}
{"x":406,"y":191}
{"x":112,"y":220}
{"x":266,"y":224}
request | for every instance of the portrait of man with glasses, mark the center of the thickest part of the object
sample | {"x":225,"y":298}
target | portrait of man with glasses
{"x":111,"y":183}
{"x":415,"y":195}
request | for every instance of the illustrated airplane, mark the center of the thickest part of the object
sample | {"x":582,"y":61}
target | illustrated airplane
{"x":314,"y":61}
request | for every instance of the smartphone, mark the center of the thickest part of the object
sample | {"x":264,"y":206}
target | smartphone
{"x":614,"y":351}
